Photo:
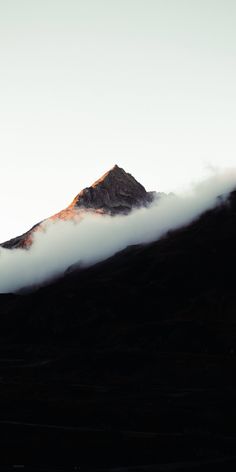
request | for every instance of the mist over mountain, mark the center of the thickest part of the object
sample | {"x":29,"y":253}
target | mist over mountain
{"x":115,"y":212}
{"x":128,"y":363}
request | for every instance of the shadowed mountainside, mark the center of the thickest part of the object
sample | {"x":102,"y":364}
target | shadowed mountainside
{"x":129,"y":362}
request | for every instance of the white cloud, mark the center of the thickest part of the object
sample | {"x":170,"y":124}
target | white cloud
{"x":96,"y":237}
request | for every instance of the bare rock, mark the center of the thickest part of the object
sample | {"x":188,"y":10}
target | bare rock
{"x":116,"y":192}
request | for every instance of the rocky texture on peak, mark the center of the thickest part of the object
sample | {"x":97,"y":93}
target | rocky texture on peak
{"x":23,"y":241}
{"x":116,"y":192}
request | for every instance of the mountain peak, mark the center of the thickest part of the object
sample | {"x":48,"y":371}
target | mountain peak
{"x":115,"y":173}
{"x":115,"y":192}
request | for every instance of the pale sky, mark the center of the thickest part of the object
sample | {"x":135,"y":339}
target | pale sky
{"x":86,"y":84}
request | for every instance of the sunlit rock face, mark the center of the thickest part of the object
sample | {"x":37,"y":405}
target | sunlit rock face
{"x":24,"y":241}
{"x":116,"y":192}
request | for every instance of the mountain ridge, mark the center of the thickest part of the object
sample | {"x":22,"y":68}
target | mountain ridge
{"x":115,"y":192}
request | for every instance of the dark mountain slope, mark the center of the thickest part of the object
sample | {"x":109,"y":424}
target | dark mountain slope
{"x":188,"y":275}
{"x":137,"y":354}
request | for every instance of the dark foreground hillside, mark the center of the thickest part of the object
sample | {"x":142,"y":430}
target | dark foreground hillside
{"x":130,"y":364}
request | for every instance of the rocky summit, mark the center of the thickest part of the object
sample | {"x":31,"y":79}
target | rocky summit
{"x":116,"y":192}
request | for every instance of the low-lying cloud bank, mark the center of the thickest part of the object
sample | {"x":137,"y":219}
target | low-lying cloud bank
{"x":96,"y":237}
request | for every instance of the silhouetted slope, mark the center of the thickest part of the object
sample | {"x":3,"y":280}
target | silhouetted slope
{"x":136,"y":356}
{"x":189,"y":275}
